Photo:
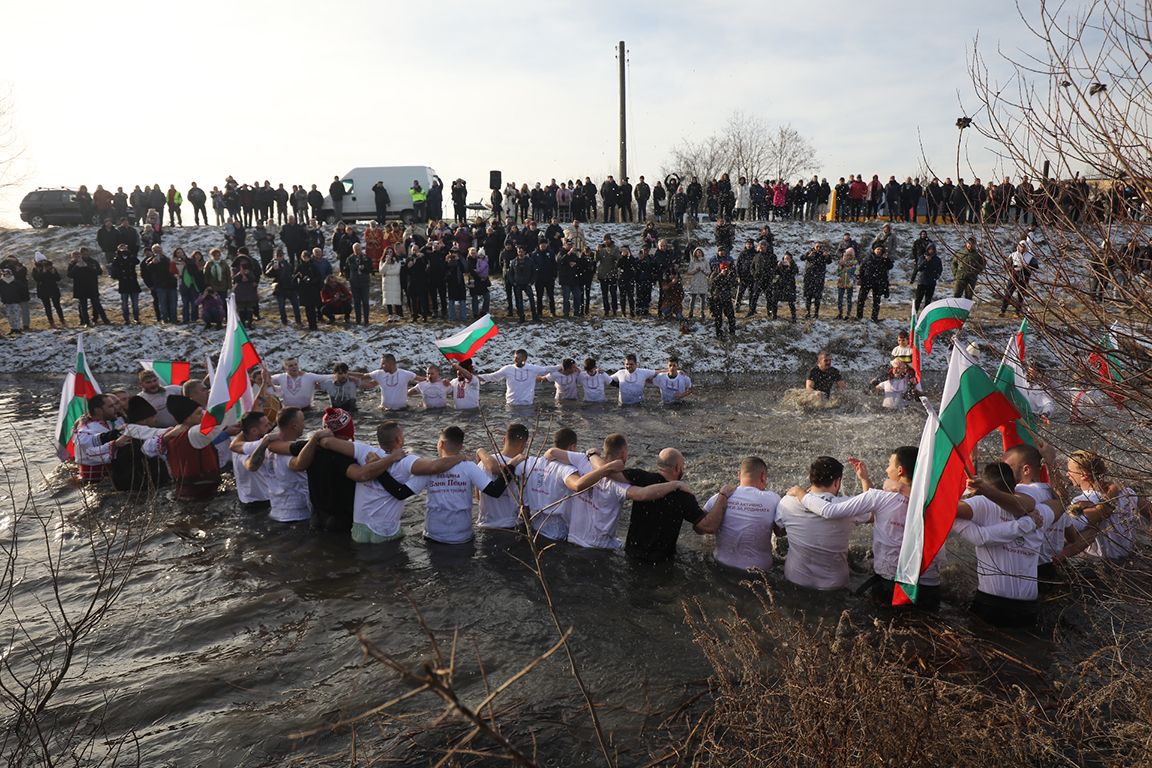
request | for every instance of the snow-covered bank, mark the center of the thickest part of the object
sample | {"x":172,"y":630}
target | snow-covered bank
{"x":761,"y":345}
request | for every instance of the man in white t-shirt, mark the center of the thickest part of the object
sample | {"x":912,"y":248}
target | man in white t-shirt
{"x":253,"y":488}
{"x":449,"y":513}
{"x":631,"y":381}
{"x":289,"y":492}
{"x":376,"y":513}
{"x":433,"y":390}
{"x":818,"y":547}
{"x":466,"y":386}
{"x":294,"y":387}
{"x":553,"y":481}
{"x":520,"y":378}
{"x":593,"y":381}
{"x":393,"y":382}
{"x":674,"y":385}
{"x":888,"y":510}
{"x":1002,"y":526}
{"x":1027,"y":463}
{"x":596,"y":512}
{"x":744,"y":539}
{"x":157,"y":396}
{"x":565,"y":379}
{"x":504,"y":511}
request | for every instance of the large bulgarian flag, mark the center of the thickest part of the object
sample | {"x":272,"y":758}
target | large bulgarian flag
{"x":970,"y":408}
{"x":78,"y":387}
{"x":1011,"y":381}
{"x":940,"y":316}
{"x":467,"y":342}
{"x":230,"y":391}
{"x":170,"y":372}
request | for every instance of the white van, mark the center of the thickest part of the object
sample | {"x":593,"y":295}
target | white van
{"x":360,"y":200}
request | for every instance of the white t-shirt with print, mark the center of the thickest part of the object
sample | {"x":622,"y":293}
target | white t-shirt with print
{"x":374,"y":507}
{"x":449,"y":516}
{"x":744,"y":539}
{"x":393,"y":387}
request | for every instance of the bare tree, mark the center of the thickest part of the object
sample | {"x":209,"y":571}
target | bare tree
{"x":53,"y":597}
{"x":790,"y":154}
{"x":705,"y":159}
{"x":1079,"y":102}
{"x":748,"y":146}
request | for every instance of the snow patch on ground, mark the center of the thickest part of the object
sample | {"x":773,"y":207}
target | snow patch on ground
{"x":761,"y":345}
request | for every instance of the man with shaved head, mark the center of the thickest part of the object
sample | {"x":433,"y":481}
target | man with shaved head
{"x":655,"y":524}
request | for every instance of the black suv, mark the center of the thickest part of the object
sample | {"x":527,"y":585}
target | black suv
{"x":54,"y":206}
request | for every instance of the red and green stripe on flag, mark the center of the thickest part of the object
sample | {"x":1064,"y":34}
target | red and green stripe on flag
{"x":468,"y":342}
{"x":230,"y":385}
{"x":970,"y":409}
{"x":170,"y":372}
{"x":1011,"y":381}
{"x":940,"y":316}
{"x":79,"y":385}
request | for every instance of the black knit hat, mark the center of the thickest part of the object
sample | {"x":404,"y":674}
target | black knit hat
{"x":139,"y":410}
{"x":181,"y":407}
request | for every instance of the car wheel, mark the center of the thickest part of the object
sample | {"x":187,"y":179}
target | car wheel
{"x":408,"y":217}
{"x":39,"y":222}
{"x":97,"y":220}
{"x":330,"y":219}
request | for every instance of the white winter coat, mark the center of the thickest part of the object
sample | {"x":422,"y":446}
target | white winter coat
{"x":391,"y":278}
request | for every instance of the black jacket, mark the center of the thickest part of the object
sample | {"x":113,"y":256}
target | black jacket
{"x":85,"y":275}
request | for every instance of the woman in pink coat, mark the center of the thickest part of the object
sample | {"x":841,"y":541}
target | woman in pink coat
{"x":779,"y":197}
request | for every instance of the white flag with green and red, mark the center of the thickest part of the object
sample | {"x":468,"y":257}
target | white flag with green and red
{"x":170,"y":372}
{"x":937,"y":317}
{"x":466,"y":343}
{"x":1010,"y":380}
{"x":970,"y":409}
{"x":230,"y":391}
{"x":79,"y":385}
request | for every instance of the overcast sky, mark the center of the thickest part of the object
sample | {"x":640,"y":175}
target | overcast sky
{"x":124,"y":93}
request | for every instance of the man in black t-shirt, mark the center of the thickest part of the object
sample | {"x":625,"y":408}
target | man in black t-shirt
{"x":331,"y":491}
{"x":824,"y":377}
{"x":655,"y":525}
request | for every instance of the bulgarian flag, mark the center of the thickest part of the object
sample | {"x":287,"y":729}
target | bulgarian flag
{"x":78,"y":387}
{"x":467,"y":342}
{"x":171,"y":372}
{"x":970,"y":408}
{"x":940,"y":316}
{"x":915,"y":342}
{"x":230,"y":391}
{"x":1108,"y":364}
{"x":1011,"y":381}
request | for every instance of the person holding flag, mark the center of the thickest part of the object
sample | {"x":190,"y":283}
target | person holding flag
{"x":230,"y":394}
{"x":96,"y":440}
{"x":79,"y":386}
{"x":970,"y":408}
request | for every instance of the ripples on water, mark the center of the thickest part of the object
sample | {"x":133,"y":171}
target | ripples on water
{"x":236,"y":630}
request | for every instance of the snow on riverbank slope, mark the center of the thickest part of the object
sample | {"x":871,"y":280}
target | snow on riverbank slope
{"x":760,"y":344}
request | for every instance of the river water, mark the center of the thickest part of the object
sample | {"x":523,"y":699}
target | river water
{"x":235,"y":631}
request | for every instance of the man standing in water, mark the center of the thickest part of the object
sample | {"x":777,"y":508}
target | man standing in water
{"x":520,"y":378}
{"x":824,"y":377}
{"x":656,"y":523}
{"x":818,"y":547}
{"x":888,"y":511}
{"x":674,"y":386}
{"x":631,"y":381}
{"x":393,"y":383}
{"x":744,"y":539}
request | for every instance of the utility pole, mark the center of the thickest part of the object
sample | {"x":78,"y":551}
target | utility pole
{"x":623,"y":126}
